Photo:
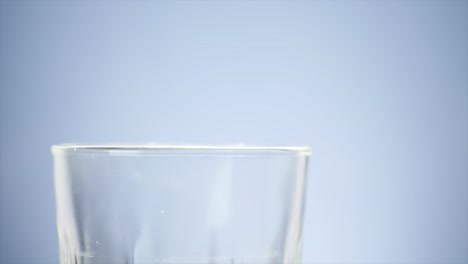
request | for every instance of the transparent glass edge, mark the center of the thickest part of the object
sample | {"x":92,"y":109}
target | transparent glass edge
{"x":138,"y":149}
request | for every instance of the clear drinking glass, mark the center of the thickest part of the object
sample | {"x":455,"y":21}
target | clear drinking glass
{"x":179,"y":204}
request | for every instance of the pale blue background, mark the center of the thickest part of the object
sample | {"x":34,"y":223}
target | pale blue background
{"x":378,"y":89}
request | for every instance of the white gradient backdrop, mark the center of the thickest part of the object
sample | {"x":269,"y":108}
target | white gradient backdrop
{"x":378,"y":89}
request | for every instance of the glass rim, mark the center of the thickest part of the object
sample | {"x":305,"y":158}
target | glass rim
{"x":179,"y":148}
